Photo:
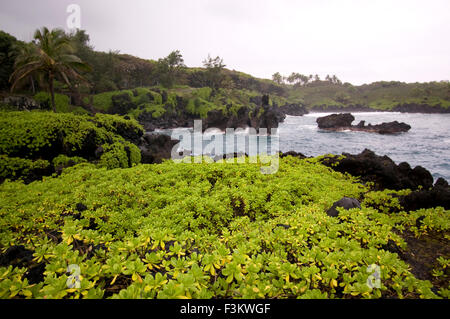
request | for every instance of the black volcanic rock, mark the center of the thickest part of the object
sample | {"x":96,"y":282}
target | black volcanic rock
{"x":439,"y":195}
{"x":335,"y":121}
{"x":293,"y":154}
{"x":342,"y":121}
{"x":345,"y":202}
{"x":23,"y":103}
{"x":383,"y":128}
{"x":156,"y":147}
{"x":261,"y":117}
{"x":381,"y":170}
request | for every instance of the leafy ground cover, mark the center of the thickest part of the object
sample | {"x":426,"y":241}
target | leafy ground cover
{"x":212,"y":230}
{"x":33,"y":144}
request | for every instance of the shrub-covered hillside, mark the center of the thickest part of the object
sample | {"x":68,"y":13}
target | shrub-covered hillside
{"x":209,"y":231}
{"x":33,"y":144}
{"x":206,"y":88}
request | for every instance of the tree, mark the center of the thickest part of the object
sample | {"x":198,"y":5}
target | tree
{"x":9,"y":48}
{"x":277,"y":78}
{"x":291,"y":78}
{"x":168,"y":68}
{"x":49,"y":57}
{"x":335,"y":80}
{"x":298,"y":79}
{"x":214,"y":74}
{"x":342,"y":97}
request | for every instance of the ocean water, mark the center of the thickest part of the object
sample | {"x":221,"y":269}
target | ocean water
{"x":427,"y":143}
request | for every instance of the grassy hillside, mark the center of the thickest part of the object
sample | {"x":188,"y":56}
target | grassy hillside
{"x":208,"y":231}
{"x":378,"y":95}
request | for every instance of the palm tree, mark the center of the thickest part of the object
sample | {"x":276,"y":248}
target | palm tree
{"x":49,"y":57}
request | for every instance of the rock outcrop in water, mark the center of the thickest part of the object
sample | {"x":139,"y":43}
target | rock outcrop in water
{"x":261,"y":117}
{"x":343,"y":121}
{"x":335,"y":121}
{"x":380,"y":170}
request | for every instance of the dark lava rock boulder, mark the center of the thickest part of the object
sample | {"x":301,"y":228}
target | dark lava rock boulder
{"x":380,"y":170}
{"x":383,"y":128}
{"x":21,"y":103}
{"x":293,"y":154}
{"x":345,"y":202}
{"x":17,"y":256}
{"x":261,"y":117}
{"x":156,"y":147}
{"x":269,"y":119}
{"x":439,"y":195}
{"x":335,"y":121}
{"x":392,"y":127}
{"x":441,"y":182}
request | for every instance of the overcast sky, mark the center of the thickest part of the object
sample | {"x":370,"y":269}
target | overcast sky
{"x":360,"y":41}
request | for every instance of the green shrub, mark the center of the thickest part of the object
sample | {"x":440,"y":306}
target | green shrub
{"x":15,"y":167}
{"x":114,"y":156}
{"x":61,"y":101}
{"x":66,"y":161}
{"x":120,"y":155}
{"x":129,"y":129}
{"x":59,"y":136}
{"x":208,"y":231}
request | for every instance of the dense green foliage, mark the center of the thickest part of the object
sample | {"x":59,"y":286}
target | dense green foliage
{"x":196,"y":102}
{"x":29,"y":140}
{"x":62,"y":103}
{"x":9,"y":48}
{"x":49,"y":57}
{"x":208,"y":230}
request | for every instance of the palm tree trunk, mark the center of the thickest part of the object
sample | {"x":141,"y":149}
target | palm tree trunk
{"x":52,"y":91}
{"x":32,"y":85}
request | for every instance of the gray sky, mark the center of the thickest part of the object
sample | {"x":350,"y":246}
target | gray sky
{"x":359,"y":41}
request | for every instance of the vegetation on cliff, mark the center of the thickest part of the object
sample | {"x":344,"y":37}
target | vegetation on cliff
{"x":113,"y":73}
{"x":32,"y":143}
{"x":228,"y":231}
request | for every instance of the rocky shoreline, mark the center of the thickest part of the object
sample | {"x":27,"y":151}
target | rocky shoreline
{"x":263,"y":116}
